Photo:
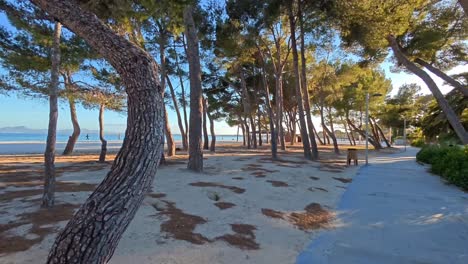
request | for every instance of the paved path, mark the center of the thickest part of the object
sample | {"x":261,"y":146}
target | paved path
{"x":396,"y":212}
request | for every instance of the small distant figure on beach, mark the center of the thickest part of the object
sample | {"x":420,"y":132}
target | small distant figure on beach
{"x":118,"y":136}
{"x":87,"y":136}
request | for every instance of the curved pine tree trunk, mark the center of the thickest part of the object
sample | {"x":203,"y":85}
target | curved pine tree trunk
{"x":49,"y":154}
{"x":206,"y":140}
{"x":441,"y":101}
{"x":195,"y":162}
{"x":76,"y":128}
{"x":443,"y":76}
{"x":93,"y":233}
{"x":300,"y":101}
{"x":102,"y":155}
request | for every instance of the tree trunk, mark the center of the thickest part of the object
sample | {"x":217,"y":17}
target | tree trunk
{"x":179,"y":118}
{"x":164,"y":77}
{"x":259,"y":125}
{"x":243,"y":131}
{"x":330,"y":133}
{"x":248,"y":108}
{"x":171,"y":147}
{"x":441,"y":101}
{"x":279,"y":109}
{"x":49,"y":154}
{"x":167,"y":126}
{"x":247,"y":131}
{"x":195,"y":162}
{"x":206,"y":140}
{"x":363,"y":134}
{"x":76,"y":129}
{"x":464,"y":4}
{"x":375,"y":134}
{"x":74,"y":119}
{"x":93,"y":233}
{"x":379,"y":129}
{"x":443,"y":76}
{"x":351,"y":132}
{"x":102,"y":155}
{"x":266,"y":89}
{"x":305,"y":90}
{"x":302,"y":122}
{"x":318,"y":136}
{"x":212,"y":131}
{"x":346,"y":131}
{"x":182,"y":87}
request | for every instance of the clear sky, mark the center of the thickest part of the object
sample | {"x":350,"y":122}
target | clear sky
{"x":33,"y":113}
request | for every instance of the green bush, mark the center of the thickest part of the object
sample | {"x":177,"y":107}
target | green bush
{"x":418,"y":142}
{"x":450,"y":162}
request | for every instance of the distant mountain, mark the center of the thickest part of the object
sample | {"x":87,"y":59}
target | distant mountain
{"x":27,"y":130}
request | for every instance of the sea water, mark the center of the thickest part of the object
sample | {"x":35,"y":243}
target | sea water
{"x":39,"y":137}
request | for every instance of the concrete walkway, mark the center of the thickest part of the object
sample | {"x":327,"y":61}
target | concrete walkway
{"x":396,"y":212}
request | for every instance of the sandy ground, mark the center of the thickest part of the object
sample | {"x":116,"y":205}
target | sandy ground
{"x":244,"y":208}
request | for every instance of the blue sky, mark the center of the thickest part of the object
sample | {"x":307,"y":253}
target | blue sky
{"x":33,"y":113}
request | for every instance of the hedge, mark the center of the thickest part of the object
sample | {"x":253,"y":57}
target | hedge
{"x":450,"y":162}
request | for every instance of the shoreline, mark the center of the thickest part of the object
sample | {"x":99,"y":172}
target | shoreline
{"x":38,"y":147}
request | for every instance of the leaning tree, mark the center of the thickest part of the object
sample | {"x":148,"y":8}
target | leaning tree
{"x":111,"y":207}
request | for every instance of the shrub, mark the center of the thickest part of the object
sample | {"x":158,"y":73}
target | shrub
{"x":450,"y":162}
{"x":418,"y":142}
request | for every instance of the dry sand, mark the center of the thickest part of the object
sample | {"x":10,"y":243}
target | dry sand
{"x":244,"y":208}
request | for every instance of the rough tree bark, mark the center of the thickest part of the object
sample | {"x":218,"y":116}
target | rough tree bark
{"x":443,"y":76}
{"x":305,"y":91}
{"x":206,"y":140}
{"x":195,"y":162}
{"x":74,"y":118}
{"x":93,"y":233}
{"x":49,"y":154}
{"x":102,"y":155}
{"x":179,"y":118}
{"x":441,"y":101}
{"x":300,"y":102}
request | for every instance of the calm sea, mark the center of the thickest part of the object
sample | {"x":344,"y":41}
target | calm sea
{"x":27,"y":137}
